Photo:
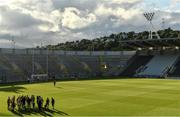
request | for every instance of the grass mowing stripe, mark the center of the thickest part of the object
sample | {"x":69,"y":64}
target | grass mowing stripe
{"x":104,"y":97}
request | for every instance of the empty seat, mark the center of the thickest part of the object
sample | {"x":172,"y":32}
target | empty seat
{"x":158,"y":66}
{"x":136,"y":62}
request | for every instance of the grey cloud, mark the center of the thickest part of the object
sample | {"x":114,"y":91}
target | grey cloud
{"x":80,"y":4}
{"x":24,"y":25}
{"x":15,"y":19}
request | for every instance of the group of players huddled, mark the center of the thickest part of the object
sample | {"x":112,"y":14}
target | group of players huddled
{"x":28,"y":102}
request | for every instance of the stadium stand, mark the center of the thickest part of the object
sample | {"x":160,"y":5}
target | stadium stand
{"x":135,"y":63}
{"x":158,"y":66}
{"x":165,"y":62}
{"x":175,"y":70}
{"x":115,"y":65}
{"x":17,"y":65}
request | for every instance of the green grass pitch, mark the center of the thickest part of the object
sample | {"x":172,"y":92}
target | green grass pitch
{"x":132,"y":97}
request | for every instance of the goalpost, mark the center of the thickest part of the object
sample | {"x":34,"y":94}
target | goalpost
{"x":39,"y":77}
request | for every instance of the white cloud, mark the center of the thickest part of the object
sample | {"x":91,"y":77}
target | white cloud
{"x":123,"y":1}
{"x":53,"y":21}
{"x":175,"y":1}
{"x":74,"y":19}
{"x":118,"y":12}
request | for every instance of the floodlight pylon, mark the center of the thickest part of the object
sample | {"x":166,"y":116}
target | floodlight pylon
{"x":149,"y":17}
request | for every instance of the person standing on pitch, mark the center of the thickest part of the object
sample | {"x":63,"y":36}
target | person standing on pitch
{"x":52,"y":102}
{"x":47,"y":103}
{"x":54,"y":81}
{"x":33,"y":101}
{"x":9,"y":102}
{"x":13,"y":103}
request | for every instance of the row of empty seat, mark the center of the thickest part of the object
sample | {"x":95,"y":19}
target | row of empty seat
{"x":19,"y":67}
{"x":175,"y":71}
{"x":158,"y":66}
{"x":135,"y":63}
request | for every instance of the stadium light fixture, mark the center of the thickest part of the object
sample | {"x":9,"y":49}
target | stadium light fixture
{"x":151,"y":48}
{"x":163,"y":23}
{"x":13,"y":42}
{"x":139,"y":49}
{"x":177,"y":48}
{"x":105,"y":66}
{"x":164,"y":48}
{"x":149,"y":17}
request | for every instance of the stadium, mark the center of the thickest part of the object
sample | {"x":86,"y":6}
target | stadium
{"x":91,"y":82}
{"x":122,"y":74}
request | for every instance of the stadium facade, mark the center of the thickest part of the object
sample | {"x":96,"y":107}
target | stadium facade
{"x":21,"y":64}
{"x":157,"y":58}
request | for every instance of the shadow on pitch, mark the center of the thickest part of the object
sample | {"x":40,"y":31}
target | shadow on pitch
{"x":59,"y":87}
{"x":12,"y":88}
{"x":43,"y":112}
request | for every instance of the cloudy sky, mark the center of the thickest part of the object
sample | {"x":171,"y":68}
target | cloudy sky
{"x":32,"y":22}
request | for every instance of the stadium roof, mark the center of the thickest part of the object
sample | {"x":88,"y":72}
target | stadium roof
{"x":155,"y":43}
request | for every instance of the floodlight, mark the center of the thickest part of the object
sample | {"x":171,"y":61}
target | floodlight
{"x":105,"y":66}
{"x":151,"y":48}
{"x":139,"y":49}
{"x":149,"y":17}
{"x":177,"y":48}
